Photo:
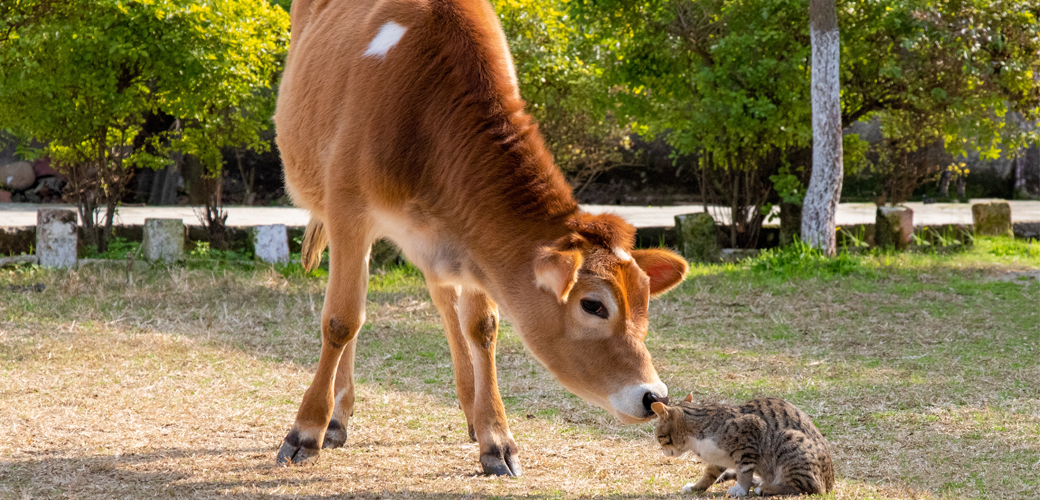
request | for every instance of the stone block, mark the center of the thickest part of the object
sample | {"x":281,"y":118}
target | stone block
{"x":56,"y":238}
{"x":17,"y":176}
{"x":271,"y":243}
{"x":1027,"y":230}
{"x":5,"y":196}
{"x":697,"y":237}
{"x":992,"y":218}
{"x":894,"y":227}
{"x":163,"y":239}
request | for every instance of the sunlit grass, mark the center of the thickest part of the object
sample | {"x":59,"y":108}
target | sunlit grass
{"x":923,"y":370}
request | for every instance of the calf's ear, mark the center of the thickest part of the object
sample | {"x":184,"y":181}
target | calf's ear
{"x":665,"y":268}
{"x":556,"y":271}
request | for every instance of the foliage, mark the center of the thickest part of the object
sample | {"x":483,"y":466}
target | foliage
{"x":945,"y":75}
{"x":729,"y":79}
{"x":83,"y":76}
{"x":559,"y":74}
{"x":118,"y":248}
{"x":801,"y":260}
{"x":1009,"y":247}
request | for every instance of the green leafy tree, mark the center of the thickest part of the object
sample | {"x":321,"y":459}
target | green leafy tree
{"x":82,"y":75}
{"x":728,"y":80}
{"x":562,"y":81}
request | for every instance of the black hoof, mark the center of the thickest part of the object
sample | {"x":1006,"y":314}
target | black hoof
{"x":495,"y":464}
{"x":335,"y":435}
{"x":297,"y":451}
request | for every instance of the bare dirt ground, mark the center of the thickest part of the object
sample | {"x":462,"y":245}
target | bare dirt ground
{"x":180,"y":382}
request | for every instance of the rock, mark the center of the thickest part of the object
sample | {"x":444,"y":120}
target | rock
{"x":271,"y":243}
{"x":5,"y":197}
{"x":17,"y":176}
{"x":738,"y":254}
{"x":894,"y":227}
{"x":43,"y":168}
{"x":56,"y":238}
{"x":697,"y":237}
{"x":47,"y":187}
{"x":1027,"y":230}
{"x":163,"y":239}
{"x":992,"y":218}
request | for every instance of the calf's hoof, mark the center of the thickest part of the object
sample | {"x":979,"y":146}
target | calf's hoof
{"x":335,"y":435}
{"x":296,"y":450}
{"x":500,"y":461}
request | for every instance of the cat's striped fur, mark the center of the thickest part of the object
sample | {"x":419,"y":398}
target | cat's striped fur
{"x":768,"y":437}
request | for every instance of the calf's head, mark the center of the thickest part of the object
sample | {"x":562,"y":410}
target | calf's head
{"x":594,"y":292}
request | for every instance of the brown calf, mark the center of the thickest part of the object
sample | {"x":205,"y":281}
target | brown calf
{"x":401,"y":119}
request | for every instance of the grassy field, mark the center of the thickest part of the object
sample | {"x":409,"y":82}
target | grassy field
{"x":922,"y":370}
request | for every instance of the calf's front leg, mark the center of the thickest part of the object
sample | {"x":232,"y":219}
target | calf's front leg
{"x":478,"y":316}
{"x":341,"y":319}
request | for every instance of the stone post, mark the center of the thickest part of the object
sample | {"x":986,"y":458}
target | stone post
{"x":697,"y":237}
{"x":163,"y":239}
{"x":271,"y":243}
{"x":894,"y":227}
{"x":56,"y":238}
{"x":992,"y":218}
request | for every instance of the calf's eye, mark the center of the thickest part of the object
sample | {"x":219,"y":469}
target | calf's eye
{"x":595,"y":308}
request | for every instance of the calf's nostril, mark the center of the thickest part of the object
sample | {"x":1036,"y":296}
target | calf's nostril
{"x":650,"y":398}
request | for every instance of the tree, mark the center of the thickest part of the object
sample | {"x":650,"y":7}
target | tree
{"x":821,"y":199}
{"x":728,"y":80}
{"x":83,"y":76}
{"x":557,"y":73}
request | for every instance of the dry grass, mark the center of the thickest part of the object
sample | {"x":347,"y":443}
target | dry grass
{"x":925,"y":378}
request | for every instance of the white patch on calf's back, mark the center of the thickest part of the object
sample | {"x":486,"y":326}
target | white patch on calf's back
{"x":388,"y":36}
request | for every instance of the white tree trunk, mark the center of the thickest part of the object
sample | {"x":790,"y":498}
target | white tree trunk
{"x":821,"y":198}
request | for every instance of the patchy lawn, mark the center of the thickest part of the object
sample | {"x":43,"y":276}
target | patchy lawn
{"x":922,"y":370}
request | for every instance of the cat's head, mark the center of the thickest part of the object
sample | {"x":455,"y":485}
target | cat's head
{"x":672,"y":429}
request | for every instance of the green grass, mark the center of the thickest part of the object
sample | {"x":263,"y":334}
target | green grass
{"x":922,"y":369}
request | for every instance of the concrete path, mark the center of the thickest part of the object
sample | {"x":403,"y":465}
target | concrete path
{"x":24,"y":214}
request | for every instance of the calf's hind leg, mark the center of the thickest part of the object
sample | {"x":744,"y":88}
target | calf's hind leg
{"x":341,"y":318}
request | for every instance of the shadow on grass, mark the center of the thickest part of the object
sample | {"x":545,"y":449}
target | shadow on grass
{"x":114,"y":477}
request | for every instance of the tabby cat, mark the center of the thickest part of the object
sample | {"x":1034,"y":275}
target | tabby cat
{"x":768,"y":437}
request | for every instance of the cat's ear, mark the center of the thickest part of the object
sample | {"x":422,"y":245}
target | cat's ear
{"x":689,"y":398}
{"x":659,"y":409}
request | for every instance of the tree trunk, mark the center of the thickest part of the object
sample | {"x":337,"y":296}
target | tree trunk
{"x":944,"y":183}
{"x":821,"y":198}
{"x":1020,"y":176}
{"x":106,"y":232}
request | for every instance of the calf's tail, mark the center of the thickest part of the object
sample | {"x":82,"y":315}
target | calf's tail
{"x":315,"y":239}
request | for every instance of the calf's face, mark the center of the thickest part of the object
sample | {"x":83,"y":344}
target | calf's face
{"x":595,"y":321}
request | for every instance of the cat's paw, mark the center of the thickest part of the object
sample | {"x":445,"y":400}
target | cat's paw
{"x":737,"y":491}
{"x":692,"y":488}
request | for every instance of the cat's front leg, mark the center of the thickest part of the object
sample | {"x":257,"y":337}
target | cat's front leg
{"x":711,"y":473}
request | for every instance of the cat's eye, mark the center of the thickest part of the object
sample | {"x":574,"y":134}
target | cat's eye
{"x":595,"y":308}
